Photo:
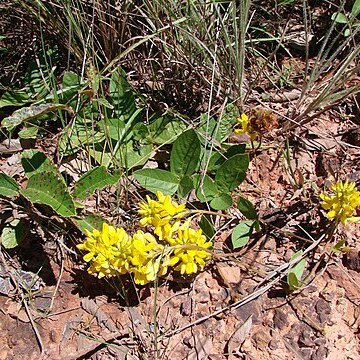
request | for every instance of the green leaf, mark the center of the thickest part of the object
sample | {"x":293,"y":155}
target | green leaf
{"x":235,"y":150}
{"x":38,"y":75}
{"x":82,"y":134}
{"x":185,"y":154}
{"x":8,"y":186}
{"x":221,"y":202}
{"x":96,"y":178}
{"x":165,"y":129}
{"x":219,"y":129}
{"x":89,"y":222}
{"x":232,"y":173}
{"x":13,"y":234}
{"x":207,"y":227}
{"x":295,"y":274}
{"x":133,"y":154}
{"x":70,"y":85}
{"x":242,"y":233}
{"x":34,"y":161}
{"x":28,"y":113}
{"x":185,"y":186}
{"x":209,"y":128}
{"x":247,"y":208}
{"x":14,"y":98}
{"x":102,"y":101}
{"x":340,"y":18}
{"x":157,"y":180}
{"x":49,"y":188}
{"x":218,"y":158}
{"x":28,"y":132}
{"x":355,"y":8}
{"x":339,"y":246}
{"x":205,"y":188}
{"x":121,"y":95}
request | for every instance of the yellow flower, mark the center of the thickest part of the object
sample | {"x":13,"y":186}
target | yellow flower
{"x":146,"y":258}
{"x":144,"y":246}
{"x":108,"y":251}
{"x":342,"y":202}
{"x":190,"y":250}
{"x":162,"y":213}
{"x":245,"y":127}
{"x":148,"y":272}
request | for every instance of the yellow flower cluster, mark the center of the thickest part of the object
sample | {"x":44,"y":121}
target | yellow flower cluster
{"x":343,"y":201}
{"x":173,"y":244}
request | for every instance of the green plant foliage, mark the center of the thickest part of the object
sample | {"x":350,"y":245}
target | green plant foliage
{"x":296,"y":273}
{"x":28,"y":132}
{"x":89,"y":222}
{"x":185,"y":154}
{"x":34,"y":161}
{"x":221,"y":202}
{"x":157,"y":180}
{"x":219,"y":157}
{"x":242,"y":233}
{"x":28,"y":114}
{"x":96,"y":178}
{"x":185,"y":186}
{"x":121,"y":96}
{"x":13,"y":234}
{"x":247,"y":208}
{"x":205,"y":188}
{"x":70,"y":86}
{"x":8,"y":186}
{"x":83,"y":133}
{"x":14,"y":98}
{"x":49,"y":188}
{"x":165,"y":129}
{"x":133,"y":154}
{"x":232,"y":172}
{"x":207,"y":227}
{"x":220,"y":129}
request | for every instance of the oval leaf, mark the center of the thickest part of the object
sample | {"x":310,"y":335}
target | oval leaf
{"x":13,"y":234}
{"x":241,"y":233}
{"x":232,"y":173}
{"x":296,"y":273}
{"x":49,"y":189}
{"x":96,"y":178}
{"x":247,"y":208}
{"x":8,"y":186}
{"x":221,"y":202}
{"x":157,"y":180}
{"x":205,"y":188}
{"x":185,"y":154}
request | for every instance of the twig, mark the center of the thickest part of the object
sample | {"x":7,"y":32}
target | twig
{"x":36,"y":331}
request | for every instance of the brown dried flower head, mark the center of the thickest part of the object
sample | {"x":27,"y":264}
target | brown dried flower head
{"x":262,"y":121}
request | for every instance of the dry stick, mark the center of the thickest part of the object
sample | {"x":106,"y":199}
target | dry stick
{"x":36,"y":331}
{"x":276,"y":275}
